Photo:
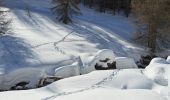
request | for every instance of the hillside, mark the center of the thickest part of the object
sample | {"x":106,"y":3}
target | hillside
{"x":38,"y":46}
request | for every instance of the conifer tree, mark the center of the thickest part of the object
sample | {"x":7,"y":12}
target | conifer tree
{"x":4,"y":22}
{"x":65,"y":9}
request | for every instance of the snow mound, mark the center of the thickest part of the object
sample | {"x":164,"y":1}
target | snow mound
{"x":158,"y":60}
{"x":158,"y":72}
{"x":125,"y":63}
{"x":130,"y":79}
{"x":165,"y":92}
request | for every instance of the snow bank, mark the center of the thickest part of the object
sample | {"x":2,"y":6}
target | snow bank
{"x":130,"y":79}
{"x":158,"y":70}
{"x":125,"y":63}
{"x":110,"y":94}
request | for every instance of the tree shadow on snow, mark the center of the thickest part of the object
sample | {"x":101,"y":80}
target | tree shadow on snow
{"x":104,"y":38}
{"x":14,"y":53}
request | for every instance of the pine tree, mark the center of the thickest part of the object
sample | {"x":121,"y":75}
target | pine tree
{"x":4,"y":22}
{"x":65,"y":9}
{"x":155,"y":16}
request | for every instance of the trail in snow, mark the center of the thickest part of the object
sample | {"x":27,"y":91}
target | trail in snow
{"x":97,"y":85}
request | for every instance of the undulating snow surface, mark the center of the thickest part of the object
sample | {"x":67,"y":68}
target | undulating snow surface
{"x":120,"y":84}
{"x":35,"y":47}
{"x":35,"y":50}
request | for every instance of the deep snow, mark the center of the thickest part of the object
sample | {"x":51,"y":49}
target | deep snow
{"x":134,"y":84}
{"x":35,"y":49}
{"x":36,"y":42}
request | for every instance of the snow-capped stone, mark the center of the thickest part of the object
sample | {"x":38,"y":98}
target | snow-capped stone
{"x":100,"y":55}
{"x":168,"y":59}
{"x":158,"y":60}
{"x":68,"y":71}
{"x":125,"y":63}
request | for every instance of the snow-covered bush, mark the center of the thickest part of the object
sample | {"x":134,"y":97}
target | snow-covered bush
{"x":125,"y":63}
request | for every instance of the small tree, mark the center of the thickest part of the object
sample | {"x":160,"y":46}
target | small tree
{"x":155,"y":16}
{"x":4,"y":22}
{"x":65,"y":9}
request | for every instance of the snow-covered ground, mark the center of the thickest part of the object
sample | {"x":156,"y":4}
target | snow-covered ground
{"x":35,"y":43}
{"x":34,"y":49}
{"x":120,"y":84}
{"x":33,"y":40}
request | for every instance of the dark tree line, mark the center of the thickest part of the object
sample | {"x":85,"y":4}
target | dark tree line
{"x":65,"y":9}
{"x":114,"y":6}
{"x":152,"y":16}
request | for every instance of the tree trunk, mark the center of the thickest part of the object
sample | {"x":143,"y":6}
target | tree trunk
{"x":152,"y":37}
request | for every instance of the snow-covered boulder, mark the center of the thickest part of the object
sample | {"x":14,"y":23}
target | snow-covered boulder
{"x":102,"y":58}
{"x":168,"y":60}
{"x":21,"y":75}
{"x":125,"y":63}
{"x":68,"y":71}
{"x":158,"y":60}
{"x":105,"y":53}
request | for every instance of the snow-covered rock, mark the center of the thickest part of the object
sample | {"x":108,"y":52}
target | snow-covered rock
{"x":168,"y":59}
{"x":21,"y":75}
{"x":100,"y":55}
{"x":158,"y":60}
{"x":68,"y":71}
{"x":125,"y":63}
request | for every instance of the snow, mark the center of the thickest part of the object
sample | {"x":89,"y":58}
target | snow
{"x":68,"y":71}
{"x":34,"y":41}
{"x":34,"y":50}
{"x":158,"y":60}
{"x":131,"y":79}
{"x":124,"y":63}
{"x":168,"y":59}
{"x":99,"y":85}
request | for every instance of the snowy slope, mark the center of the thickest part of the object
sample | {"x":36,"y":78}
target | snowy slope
{"x":34,"y":49}
{"x":32,"y":43}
